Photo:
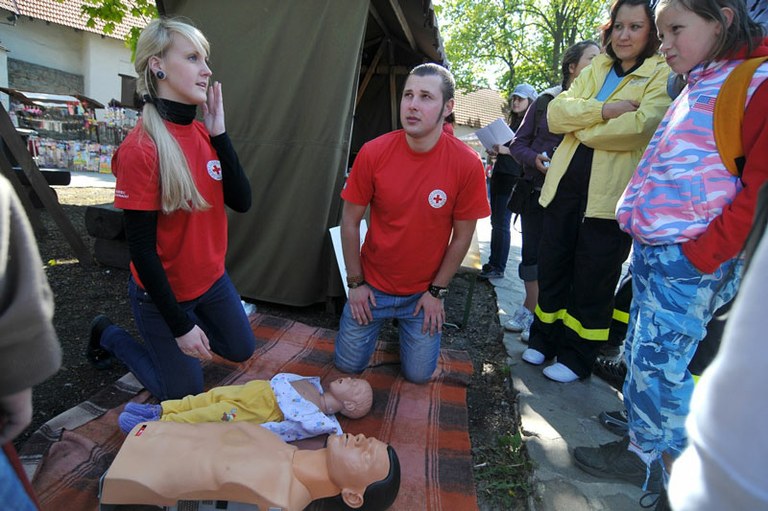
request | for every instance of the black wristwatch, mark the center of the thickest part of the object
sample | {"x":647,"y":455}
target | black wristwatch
{"x":437,"y":291}
{"x":355,"y":281}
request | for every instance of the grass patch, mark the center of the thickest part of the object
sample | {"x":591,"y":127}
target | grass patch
{"x":501,"y":471}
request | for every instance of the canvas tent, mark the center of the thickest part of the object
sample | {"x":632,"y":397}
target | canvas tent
{"x":305,"y":83}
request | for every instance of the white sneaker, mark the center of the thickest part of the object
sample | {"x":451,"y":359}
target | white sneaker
{"x":521,"y":320}
{"x":560,"y":373}
{"x":534,"y":357}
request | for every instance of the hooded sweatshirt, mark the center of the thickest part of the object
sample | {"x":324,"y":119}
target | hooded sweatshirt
{"x":681,"y":191}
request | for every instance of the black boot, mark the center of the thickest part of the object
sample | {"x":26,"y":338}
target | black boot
{"x":99,"y":357}
{"x":658,"y":501}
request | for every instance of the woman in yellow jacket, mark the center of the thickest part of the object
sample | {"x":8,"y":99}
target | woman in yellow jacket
{"x":607,"y":117}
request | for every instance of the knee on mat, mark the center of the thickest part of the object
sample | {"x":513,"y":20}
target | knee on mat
{"x":238,"y":353}
{"x":347,"y":368}
{"x":180,"y":392}
{"x":419,"y":381}
{"x":241,"y":356}
{"x":417,"y":378}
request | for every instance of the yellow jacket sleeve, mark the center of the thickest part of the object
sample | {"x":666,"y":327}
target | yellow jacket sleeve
{"x":633,"y":129}
{"x":575,"y":108}
{"x":576,"y":111}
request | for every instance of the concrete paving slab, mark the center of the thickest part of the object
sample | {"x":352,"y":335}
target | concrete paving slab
{"x":556,"y":417}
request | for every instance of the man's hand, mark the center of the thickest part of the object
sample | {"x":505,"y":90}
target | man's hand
{"x":617,"y":108}
{"x":434,"y":313}
{"x":360,"y":300}
{"x":15,"y":414}
{"x":195,"y":344}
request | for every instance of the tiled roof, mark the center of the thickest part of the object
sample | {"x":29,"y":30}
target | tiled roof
{"x":478,"y":108}
{"x":66,"y":13}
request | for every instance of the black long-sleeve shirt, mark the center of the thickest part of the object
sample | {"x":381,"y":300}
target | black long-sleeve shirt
{"x":141,"y":226}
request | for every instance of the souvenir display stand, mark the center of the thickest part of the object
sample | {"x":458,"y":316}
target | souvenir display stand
{"x":69,"y":133}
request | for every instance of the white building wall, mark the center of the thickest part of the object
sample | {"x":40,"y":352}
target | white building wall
{"x":45,"y":45}
{"x":99,"y":60}
{"x":4,"y":76}
{"x":104,"y":59}
{"x":465,"y":133}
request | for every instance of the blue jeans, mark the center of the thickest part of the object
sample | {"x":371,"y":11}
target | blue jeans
{"x":501,"y":188}
{"x":355,"y":343}
{"x":158,"y":363}
{"x":12,"y":492}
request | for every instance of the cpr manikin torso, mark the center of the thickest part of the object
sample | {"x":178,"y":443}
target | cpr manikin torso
{"x":161,"y":463}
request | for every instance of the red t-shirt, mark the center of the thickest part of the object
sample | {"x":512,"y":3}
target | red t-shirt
{"x":191,"y":245}
{"x":414,"y":199}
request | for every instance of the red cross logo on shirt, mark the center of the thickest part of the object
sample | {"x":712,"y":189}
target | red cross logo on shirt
{"x":214,"y":169}
{"x":437,"y":198}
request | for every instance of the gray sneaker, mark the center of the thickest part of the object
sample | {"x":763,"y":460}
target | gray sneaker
{"x":615,"y":422}
{"x":614,"y":461}
{"x":491,"y":273}
{"x":521,"y":320}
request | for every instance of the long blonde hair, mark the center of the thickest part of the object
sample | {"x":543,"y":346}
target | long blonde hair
{"x":176,"y":183}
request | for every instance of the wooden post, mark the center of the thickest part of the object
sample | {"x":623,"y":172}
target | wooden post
{"x":394,"y":113}
{"x":16,"y":145}
{"x":32,"y":214}
{"x":371,"y":71}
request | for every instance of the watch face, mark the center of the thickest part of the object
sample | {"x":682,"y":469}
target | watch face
{"x":438,"y":292}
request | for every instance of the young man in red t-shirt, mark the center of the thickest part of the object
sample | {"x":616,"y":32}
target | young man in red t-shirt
{"x":426,"y":190}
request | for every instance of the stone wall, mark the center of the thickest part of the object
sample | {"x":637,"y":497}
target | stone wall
{"x":29,"y":77}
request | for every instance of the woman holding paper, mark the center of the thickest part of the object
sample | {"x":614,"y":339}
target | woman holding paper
{"x":505,"y":172}
{"x":607,"y":117}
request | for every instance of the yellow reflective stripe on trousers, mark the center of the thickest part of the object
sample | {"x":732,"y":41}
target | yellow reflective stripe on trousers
{"x":588,"y":334}
{"x":621,"y":316}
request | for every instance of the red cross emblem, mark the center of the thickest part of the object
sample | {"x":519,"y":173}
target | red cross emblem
{"x":437,"y":198}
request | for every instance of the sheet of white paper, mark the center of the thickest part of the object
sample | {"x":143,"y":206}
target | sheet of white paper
{"x":336,"y":240}
{"x":496,"y":133}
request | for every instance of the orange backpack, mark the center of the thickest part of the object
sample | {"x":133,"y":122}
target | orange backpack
{"x":729,"y":114}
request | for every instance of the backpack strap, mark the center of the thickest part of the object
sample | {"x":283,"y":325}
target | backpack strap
{"x":729,"y":107}
{"x":541,"y":104}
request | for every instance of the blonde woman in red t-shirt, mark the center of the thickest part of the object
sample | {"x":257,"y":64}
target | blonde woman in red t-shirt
{"x":175,"y":175}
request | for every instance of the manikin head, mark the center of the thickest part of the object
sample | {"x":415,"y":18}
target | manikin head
{"x":354,"y":395}
{"x":366,"y":469}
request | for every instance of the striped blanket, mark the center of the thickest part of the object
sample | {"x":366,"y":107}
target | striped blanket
{"x":427,"y":424}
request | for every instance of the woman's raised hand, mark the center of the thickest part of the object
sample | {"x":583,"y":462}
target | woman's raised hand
{"x":213,"y":110}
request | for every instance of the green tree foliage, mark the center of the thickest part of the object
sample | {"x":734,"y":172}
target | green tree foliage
{"x":524,"y":38}
{"x":110,"y":13}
